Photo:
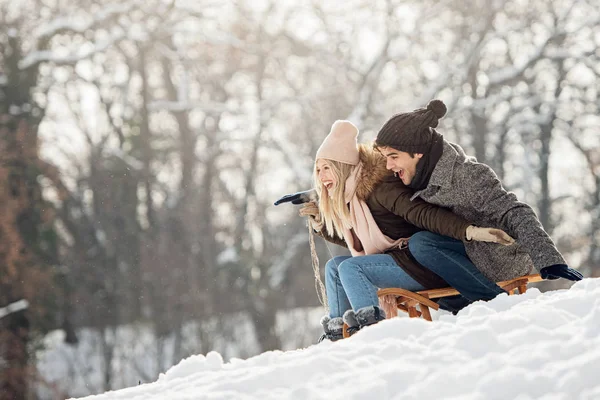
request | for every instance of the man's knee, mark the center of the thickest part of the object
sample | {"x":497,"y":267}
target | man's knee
{"x":422,"y":242}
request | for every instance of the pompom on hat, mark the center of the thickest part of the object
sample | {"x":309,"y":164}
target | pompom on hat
{"x":410,"y":131}
{"x":340,"y":145}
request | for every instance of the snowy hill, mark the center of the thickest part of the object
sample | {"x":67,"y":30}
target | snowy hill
{"x":532,"y":346}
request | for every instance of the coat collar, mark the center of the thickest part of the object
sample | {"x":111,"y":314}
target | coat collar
{"x":372,"y":173}
{"x":443,"y":171}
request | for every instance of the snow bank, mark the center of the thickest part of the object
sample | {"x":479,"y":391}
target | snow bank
{"x":532,"y":346}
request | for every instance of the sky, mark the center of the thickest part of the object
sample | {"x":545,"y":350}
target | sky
{"x":531,"y":346}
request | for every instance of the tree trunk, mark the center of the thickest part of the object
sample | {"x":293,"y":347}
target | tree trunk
{"x":20,"y":220}
{"x":545,"y":203}
{"x":479,"y":136}
{"x":263,"y":317}
{"x":593,"y":264}
{"x":14,"y":338}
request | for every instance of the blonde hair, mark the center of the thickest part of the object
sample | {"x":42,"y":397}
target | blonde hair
{"x":334,"y":211}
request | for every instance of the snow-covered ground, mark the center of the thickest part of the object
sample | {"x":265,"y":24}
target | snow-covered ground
{"x":532,"y":346}
{"x":139,"y":355}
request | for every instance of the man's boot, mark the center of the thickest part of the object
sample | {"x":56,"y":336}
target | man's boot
{"x":453,"y":303}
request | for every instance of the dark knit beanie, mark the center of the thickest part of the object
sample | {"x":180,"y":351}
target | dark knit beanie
{"x":410,"y":131}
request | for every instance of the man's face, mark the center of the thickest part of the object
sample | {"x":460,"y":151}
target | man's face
{"x":401,"y":163}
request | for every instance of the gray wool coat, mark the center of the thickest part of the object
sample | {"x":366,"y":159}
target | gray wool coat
{"x":473,"y":191}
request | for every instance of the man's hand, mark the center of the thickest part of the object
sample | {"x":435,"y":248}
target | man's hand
{"x":560,"y":271}
{"x":489,"y":235}
{"x":299,"y":197}
{"x":311,"y":210}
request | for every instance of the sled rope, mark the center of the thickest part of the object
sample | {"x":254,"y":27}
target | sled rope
{"x":319,"y":286}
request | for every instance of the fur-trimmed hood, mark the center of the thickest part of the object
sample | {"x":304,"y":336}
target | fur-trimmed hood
{"x":373,"y":170}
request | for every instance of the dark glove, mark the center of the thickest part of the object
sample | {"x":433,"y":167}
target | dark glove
{"x":560,"y":271}
{"x":299,"y":197}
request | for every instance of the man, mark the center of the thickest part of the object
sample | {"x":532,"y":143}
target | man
{"x":441,"y":174}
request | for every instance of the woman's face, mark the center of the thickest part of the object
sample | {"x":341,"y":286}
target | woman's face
{"x":325,"y":175}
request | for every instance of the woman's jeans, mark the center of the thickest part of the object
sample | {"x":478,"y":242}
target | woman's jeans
{"x":352,"y":282}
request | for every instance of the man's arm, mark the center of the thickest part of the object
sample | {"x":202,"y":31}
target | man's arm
{"x":486,"y":195}
{"x":396,"y":199}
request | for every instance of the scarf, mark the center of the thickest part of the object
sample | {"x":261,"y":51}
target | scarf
{"x":365,"y":237}
{"x":427,"y":163}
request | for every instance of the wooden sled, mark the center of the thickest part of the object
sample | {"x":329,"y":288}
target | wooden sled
{"x":407,"y":301}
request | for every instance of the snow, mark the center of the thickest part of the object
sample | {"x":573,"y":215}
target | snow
{"x":131,"y":161}
{"x":61,"y":23}
{"x":13,"y":307}
{"x":72,"y":57}
{"x":179,"y":106}
{"x":14,"y":109}
{"x":229,"y":255}
{"x":532,"y":346}
{"x":505,"y":74}
{"x":75,"y":23}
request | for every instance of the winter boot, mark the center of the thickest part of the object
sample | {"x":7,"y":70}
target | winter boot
{"x":369,"y":315}
{"x":332,"y":328}
{"x":453,"y":303}
{"x":350,"y":320}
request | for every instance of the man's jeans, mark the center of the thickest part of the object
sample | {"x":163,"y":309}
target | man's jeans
{"x":352,"y":282}
{"x":448,"y":258}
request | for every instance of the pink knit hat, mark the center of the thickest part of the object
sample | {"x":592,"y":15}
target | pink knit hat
{"x":340,"y":145}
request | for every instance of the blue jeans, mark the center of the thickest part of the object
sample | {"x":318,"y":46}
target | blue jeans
{"x":448,"y":258}
{"x":352,"y":282}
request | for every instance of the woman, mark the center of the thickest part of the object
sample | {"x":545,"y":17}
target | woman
{"x":364,"y":207}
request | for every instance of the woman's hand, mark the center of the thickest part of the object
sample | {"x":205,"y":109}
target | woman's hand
{"x":489,"y":235}
{"x":311,"y":210}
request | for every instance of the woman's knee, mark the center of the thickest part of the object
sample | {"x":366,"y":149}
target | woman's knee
{"x":348,"y":267}
{"x":332,"y":266}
